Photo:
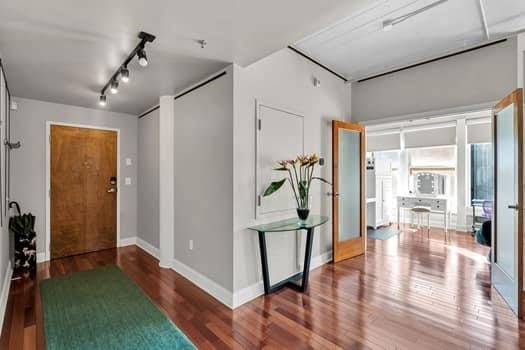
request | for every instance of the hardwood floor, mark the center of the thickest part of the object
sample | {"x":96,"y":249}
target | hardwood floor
{"x":408,"y":292}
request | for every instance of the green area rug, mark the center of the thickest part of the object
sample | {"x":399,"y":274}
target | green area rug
{"x":382,"y":233}
{"x":104,"y":309}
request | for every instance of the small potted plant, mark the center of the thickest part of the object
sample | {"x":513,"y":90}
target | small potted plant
{"x":300,"y":176}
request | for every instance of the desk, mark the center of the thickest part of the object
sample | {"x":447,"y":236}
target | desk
{"x":436,"y":205}
{"x":283,"y":226}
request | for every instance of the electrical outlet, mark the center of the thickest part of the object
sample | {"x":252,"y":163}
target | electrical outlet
{"x":129,"y":161}
{"x":191,"y":244}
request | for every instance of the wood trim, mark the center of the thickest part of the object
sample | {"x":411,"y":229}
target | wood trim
{"x":516,"y":98}
{"x":357,"y":246}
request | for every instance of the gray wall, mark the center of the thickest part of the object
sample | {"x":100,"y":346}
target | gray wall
{"x":5,"y":240}
{"x":148,"y":178}
{"x":28,"y":166}
{"x":283,"y":80}
{"x":203,"y":141}
{"x":482,"y":76}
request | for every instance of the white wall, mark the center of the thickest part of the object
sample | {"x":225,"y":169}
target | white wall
{"x":476,"y":78}
{"x":285,"y":80}
{"x":203,"y":182}
{"x":148,"y":178}
{"x":28,"y":186}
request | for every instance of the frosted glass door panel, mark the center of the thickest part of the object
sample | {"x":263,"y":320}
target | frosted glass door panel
{"x":349,"y":184}
{"x":506,"y":191}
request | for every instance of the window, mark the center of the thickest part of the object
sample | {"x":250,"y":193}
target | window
{"x":481,"y":177}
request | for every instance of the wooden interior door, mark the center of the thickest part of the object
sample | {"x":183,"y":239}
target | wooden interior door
{"x":348,"y":201}
{"x":83,"y":190}
{"x":507,"y":221}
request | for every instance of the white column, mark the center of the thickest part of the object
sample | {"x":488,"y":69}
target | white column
{"x":521,"y":60}
{"x":404,"y":165}
{"x":166,"y":181}
{"x":461,"y":173}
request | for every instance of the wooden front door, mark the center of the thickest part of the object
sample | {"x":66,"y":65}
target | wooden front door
{"x":348,"y":201}
{"x":507,"y":224}
{"x":83,"y":190}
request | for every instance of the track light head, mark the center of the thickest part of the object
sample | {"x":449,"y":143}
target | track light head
{"x":124,"y":74}
{"x":113,"y":88}
{"x":102,"y":100}
{"x":143,"y":60}
{"x":388,"y":25}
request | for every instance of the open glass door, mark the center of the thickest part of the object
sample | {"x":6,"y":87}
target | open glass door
{"x":348,"y":168}
{"x":507,"y":250}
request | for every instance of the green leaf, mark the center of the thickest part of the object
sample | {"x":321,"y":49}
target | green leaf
{"x":274,"y":186}
{"x":321,"y":179}
{"x":303,"y":189}
{"x":281,"y":169}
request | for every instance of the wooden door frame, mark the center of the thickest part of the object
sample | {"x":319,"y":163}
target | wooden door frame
{"x":335,"y":146}
{"x":46,"y":255}
{"x":515,"y":97}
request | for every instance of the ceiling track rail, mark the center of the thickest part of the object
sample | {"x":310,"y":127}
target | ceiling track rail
{"x":433,"y":60}
{"x":149,"y":111}
{"x":317,"y":63}
{"x":198,"y":86}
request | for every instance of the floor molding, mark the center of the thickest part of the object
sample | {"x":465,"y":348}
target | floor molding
{"x":257,"y":289}
{"x":41,"y":257}
{"x":5,"y":292}
{"x":209,"y":286}
{"x":123,"y":242}
{"x":150,"y":249}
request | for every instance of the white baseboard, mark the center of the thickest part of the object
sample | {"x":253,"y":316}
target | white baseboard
{"x":209,"y":286}
{"x":257,"y":289}
{"x":127,"y":241}
{"x":151,"y":250}
{"x":5,"y":292}
{"x":41,"y":257}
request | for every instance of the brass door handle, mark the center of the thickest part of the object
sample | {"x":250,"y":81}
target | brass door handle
{"x":112,"y":190}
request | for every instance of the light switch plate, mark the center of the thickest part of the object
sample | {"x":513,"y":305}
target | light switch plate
{"x":127,"y":180}
{"x":129,"y":161}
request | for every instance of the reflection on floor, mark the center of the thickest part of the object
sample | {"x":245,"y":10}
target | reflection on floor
{"x":408,"y":292}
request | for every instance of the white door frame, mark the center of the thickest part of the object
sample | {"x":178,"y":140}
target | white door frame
{"x":47,"y":242}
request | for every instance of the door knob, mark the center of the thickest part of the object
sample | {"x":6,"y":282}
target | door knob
{"x":334,"y":194}
{"x":112,"y":190}
{"x":513,"y":206}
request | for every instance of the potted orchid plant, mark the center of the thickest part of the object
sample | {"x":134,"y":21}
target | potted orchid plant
{"x":300,"y":174}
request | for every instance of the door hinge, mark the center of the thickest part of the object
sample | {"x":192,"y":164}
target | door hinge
{"x":259,"y":201}
{"x":259,"y":124}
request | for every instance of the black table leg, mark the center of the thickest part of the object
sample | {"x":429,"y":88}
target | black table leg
{"x":264,"y":262}
{"x":307,"y":258}
{"x":291,"y":281}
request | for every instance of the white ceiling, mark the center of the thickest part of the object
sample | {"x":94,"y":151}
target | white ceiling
{"x":357,"y":47}
{"x":64,"y":51}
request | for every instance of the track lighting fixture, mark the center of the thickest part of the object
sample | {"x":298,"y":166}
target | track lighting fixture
{"x":102,"y":100}
{"x":113,"y":87}
{"x":122,"y":73}
{"x":143,"y":60}
{"x":390,"y":23}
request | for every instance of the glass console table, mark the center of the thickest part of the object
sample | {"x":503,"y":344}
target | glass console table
{"x":282,"y":226}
